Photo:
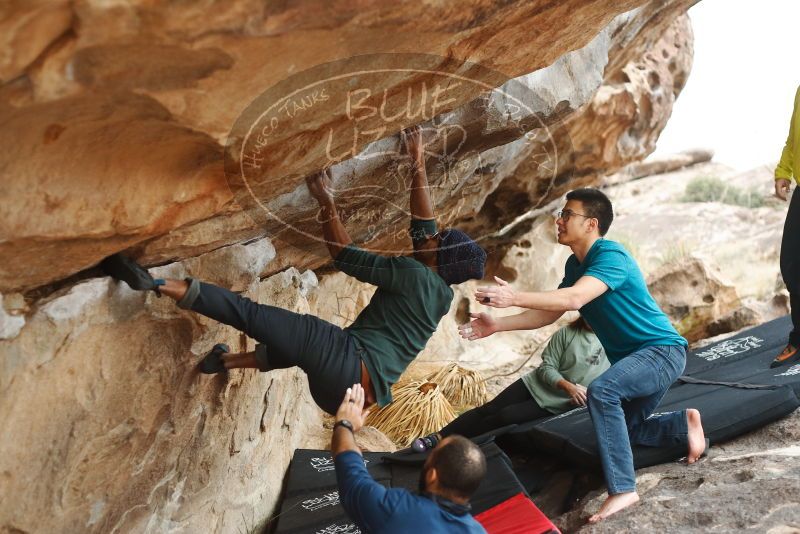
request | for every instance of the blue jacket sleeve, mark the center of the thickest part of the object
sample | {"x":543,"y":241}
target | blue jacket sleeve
{"x":366,"y":502}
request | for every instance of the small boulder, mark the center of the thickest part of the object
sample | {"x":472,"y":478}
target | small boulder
{"x":693,"y":296}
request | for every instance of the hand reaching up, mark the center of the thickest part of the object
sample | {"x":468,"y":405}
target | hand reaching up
{"x":320,"y":186}
{"x":352,"y":407}
{"x":412,"y":139}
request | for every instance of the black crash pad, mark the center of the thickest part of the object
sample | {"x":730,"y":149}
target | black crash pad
{"x":729,"y":381}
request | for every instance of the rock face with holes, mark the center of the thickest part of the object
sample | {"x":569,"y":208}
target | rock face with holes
{"x":693,"y":296}
{"x":114,"y":119}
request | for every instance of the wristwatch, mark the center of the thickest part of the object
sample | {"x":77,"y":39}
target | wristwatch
{"x":345,"y":423}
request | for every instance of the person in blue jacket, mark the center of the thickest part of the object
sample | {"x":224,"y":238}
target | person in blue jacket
{"x":451,"y":474}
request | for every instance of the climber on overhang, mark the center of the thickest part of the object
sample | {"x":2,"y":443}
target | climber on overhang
{"x":412,"y":295}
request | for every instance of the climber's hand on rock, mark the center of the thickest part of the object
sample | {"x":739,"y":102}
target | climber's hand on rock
{"x":320,"y":186}
{"x":412,"y":139}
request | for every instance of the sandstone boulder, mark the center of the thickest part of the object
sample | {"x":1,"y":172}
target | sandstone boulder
{"x":137,"y":101}
{"x":115,"y":122}
{"x":108,"y":425}
{"x":692,"y":295}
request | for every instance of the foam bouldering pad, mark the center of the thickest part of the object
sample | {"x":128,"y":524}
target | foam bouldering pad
{"x":729,"y":381}
{"x":517,"y":515}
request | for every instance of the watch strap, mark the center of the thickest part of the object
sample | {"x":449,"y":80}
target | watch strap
{"x":345,"y":423}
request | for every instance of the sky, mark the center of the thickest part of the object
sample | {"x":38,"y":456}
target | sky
{"x":738,"y":99}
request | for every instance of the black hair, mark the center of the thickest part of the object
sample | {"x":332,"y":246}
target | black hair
{"x":596,"y":205}
{"x":581,"y":324}
{"x":460,"y":466}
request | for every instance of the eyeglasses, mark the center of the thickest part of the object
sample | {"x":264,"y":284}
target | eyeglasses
{"x":566,"y":214}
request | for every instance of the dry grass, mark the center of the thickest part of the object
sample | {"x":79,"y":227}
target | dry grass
{"x":462,"y":387}
{"x":418,"y":409}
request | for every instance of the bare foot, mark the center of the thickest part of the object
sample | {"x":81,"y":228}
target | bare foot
{"x":697,"y":438}
{"x":614,"y":504}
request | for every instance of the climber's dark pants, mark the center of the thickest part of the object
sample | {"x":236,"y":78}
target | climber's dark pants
{"x":328,"y":354}
{"x":790,"y":264}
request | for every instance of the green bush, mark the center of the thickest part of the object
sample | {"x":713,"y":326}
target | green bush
{"x":713,"y":189}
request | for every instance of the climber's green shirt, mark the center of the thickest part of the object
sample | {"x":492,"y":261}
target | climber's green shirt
{"x":790,"y":158}
{"x":572,"y":354}
{"x":402,"y":314}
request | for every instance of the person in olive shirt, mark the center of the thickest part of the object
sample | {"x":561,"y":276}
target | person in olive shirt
{"x":572,"y":358}
{"x":412,"y":296}
{"x":790,"y":245}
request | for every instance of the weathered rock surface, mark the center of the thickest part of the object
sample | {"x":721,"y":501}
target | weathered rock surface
{"x":659,"y":165}
{"x":136,"y":100}
{"x":114,"y":117}
{"x":109,"y":427}
{"x":692,"y":295}
{"x":748,"y":484}
{"x":10,"y":324}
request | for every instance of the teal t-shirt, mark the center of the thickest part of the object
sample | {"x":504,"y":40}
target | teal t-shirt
{"x":625,"y":318}
{"x":572,"y":354}
{"x":403,"y":313}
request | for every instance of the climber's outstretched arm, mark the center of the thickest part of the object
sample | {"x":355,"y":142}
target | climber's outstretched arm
{"x":421,"y":205}
{"x":336,"y":236}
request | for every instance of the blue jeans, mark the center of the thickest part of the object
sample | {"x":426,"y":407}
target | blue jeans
{"x":621,"y":403}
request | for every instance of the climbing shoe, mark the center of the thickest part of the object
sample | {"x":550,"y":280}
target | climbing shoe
{"x":212,"y":363}
{"x":788,"y":353}
{"x":426,"y":443}
{"x":125,"y":269}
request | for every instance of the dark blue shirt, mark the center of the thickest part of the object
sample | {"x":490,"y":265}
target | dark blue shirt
{"x":377,"y":509}
{"x":625,"y":318}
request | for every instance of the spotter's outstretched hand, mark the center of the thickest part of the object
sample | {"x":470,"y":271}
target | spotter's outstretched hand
{"x":482,"y":325}
{"x":352,"y":407}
